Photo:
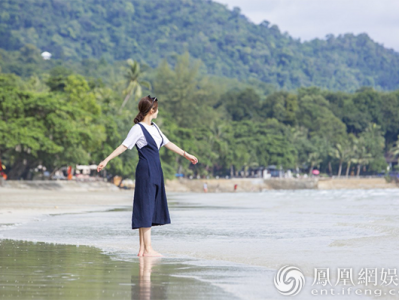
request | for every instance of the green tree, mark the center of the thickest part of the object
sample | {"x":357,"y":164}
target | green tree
{"x":374,"y":143}
{"x":314,"y":113}
{"x":282,"y":106}
{"x":341,"y":152}
{"x":187,"y":96}
{"x":134,"y":83}
{"x":361,"y":156}
{"x":241,"y":105}
{"x":395,"y":149}
{"x":48,"y":128}
{"x":314,"y":159}
{"x":352,"y":146}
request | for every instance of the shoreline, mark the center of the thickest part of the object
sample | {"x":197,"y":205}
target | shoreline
{"x":23,"y":201}
{"x":183,"y":185}
{"x":259,"y":184}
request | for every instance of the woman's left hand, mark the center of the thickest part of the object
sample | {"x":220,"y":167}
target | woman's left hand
{"x":191,"y":158}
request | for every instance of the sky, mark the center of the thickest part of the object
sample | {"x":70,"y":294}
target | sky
{"x":309,"y":19}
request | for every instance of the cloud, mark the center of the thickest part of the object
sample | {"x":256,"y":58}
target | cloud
{"x":309,"y":19}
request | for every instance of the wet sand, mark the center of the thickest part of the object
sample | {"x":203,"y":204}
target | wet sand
{"x":54,"y":271}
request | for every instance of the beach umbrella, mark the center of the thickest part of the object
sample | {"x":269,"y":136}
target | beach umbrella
{"x":316,"y":172}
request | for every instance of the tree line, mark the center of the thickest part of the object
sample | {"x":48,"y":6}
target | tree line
{"x":60,"y":117}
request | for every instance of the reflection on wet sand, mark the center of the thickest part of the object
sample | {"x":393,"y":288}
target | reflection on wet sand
{"x":141,"y":284}
{"x":56,"y":271}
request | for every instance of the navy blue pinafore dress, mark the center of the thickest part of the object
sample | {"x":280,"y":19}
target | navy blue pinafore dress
{"x":150,"y":207}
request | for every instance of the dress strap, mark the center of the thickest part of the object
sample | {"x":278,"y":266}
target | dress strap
{"x":159,"y":133}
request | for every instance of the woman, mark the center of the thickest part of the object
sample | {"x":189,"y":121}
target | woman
{"x":150,"y":206}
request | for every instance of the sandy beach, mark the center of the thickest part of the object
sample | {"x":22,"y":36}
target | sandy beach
{"x":24,"y":205}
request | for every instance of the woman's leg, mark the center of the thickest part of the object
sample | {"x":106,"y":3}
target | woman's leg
{"x":141,"y":250}
{"x":148,"y":251}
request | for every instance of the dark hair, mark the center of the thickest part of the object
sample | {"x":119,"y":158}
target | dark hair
{"x":144,"y":106}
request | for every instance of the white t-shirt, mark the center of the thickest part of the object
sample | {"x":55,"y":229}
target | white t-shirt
{"x":136,"y":136}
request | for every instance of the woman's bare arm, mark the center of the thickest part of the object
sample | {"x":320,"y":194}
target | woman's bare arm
{"x":115,"y":153}
{"x":175,"y":148}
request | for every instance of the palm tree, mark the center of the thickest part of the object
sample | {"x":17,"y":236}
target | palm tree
{"x":395,"y":149}
{"x":342,"y":153}
{"x":352,"y":149}
{"x":314,"y":159}
{"x":362,"y":156}
{"x":350,"y":159}
{"x":133,"y":82}
{"x":299,"y":134}
{"x":324,"y":149}
{"x":220,"y":143}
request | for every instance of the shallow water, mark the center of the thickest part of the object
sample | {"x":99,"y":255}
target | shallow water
{"x":248,"y":236}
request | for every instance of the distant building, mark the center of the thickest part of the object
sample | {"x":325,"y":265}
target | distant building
{"x":86,"y":168}
{"x":46,"y":55}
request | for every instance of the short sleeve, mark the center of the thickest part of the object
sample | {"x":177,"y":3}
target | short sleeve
{"x":165,"y":139}
{"x":132,"y":137}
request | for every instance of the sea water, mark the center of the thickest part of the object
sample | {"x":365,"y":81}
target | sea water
{"x":236,"y":242}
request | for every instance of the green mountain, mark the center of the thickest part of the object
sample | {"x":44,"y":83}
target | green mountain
{"x":225,"y":40}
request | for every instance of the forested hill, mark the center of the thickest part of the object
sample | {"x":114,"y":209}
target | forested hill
{"x":225,"y":40}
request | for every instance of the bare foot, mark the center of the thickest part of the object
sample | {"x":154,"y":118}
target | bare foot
{"x":141,"y":252}
{"x":151,"y":252}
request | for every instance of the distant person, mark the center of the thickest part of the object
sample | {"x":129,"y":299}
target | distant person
{"x":205,"y":187}
{"x":2,"y":173}
{"x":235,"y":187}
{"x":69,"y":172}
{"x":150,"y":207}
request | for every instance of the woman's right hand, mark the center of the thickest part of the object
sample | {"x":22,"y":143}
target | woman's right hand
{"x":101,"y":165}
{"x":191,"y":158}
